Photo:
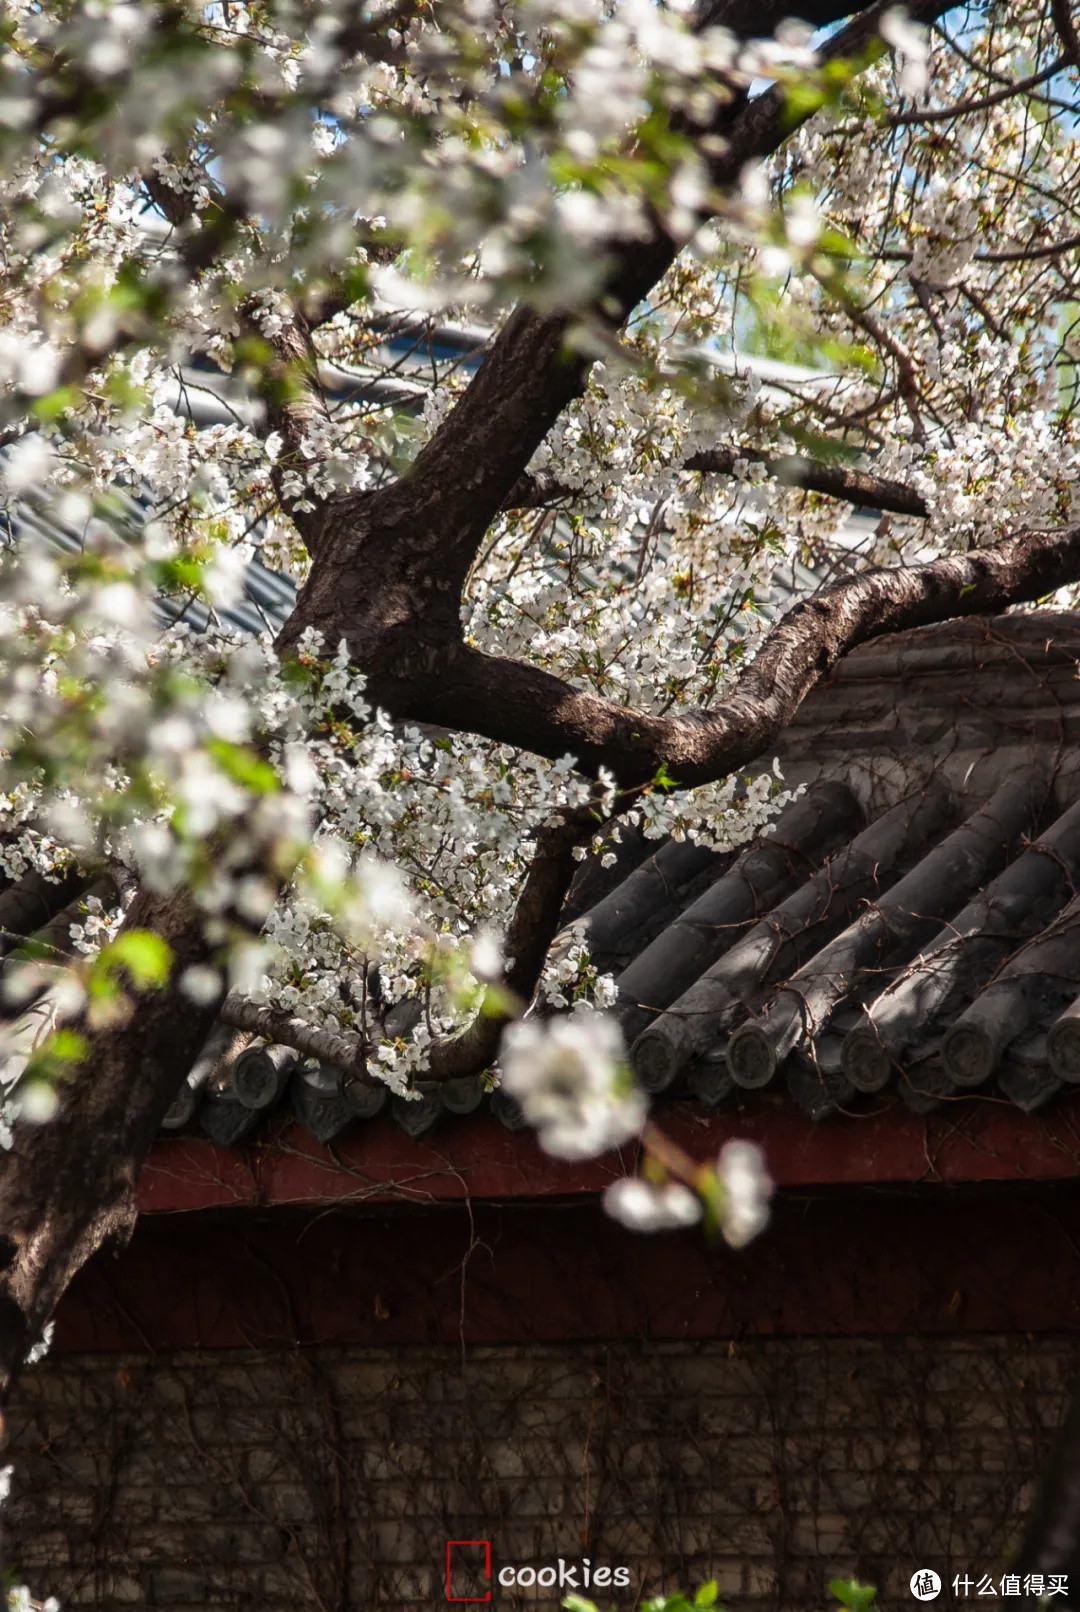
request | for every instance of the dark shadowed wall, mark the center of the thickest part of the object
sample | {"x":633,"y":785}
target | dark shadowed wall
{"x":287,"y":1411}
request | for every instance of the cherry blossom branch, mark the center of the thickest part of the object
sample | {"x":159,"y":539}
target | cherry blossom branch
{"x":70,"y":92}
{"x":515,"y":703}
{"x":289,"y":386}
{"x":675,"y":1160}
{"x":1012,"y":254}
{"x":943,"y":114}
{"x":832,"y":480}
{"x":89,"y":351}
{"x":533,"y":371}
{"x":529,"y":934}
{"x":907,"y":372}
{"x":1030,"y":254}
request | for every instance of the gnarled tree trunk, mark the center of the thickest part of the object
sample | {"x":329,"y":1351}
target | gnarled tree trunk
{"x":67,"y":1187}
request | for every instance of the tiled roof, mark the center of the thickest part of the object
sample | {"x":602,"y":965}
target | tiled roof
{"x":910,"y":923}
{"x":908,"y":927}
{"x":932,"y":947}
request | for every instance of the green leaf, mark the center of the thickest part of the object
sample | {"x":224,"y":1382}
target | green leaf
{"x":850,"y":1593}
{"x":124,"y":392}
{"x":66,"y":1046}
{"x":243,"y":766}
{"x":803,"y":99}
{"x":499,"y":1003}
{"x":144,"y":955}
{"x":706,"y":1595}
{"x":662,"y":778}
{"x":55,"y":404}
{"x":56,"y":1058}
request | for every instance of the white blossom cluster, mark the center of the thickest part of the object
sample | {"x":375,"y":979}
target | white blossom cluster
{"x":449,"y":128}
{"x":568,"y":1076}
{"x":179,"y":183}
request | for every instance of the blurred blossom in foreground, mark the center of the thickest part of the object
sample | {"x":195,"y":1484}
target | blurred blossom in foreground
{"x":570,"y":1076}
{"x":738,"y":1196}
{"x":571,"y":1080}
{"x":911,"y":42}
{"x":645,"y":1207}
{"x":747,"y":1188}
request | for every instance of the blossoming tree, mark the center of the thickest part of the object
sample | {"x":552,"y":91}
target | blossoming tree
{"x":537,"y":586}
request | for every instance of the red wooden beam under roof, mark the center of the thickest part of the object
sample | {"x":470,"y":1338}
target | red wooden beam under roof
{"x":475,"y":1157}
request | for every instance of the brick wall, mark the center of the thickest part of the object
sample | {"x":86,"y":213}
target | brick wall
{"x":330,"y":1478}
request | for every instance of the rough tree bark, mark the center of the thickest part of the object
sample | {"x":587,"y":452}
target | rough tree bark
{"x":387,"y":574}
{"x":68,"y":1187}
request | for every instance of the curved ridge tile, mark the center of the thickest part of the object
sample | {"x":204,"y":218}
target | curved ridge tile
{"x":698,"y":1021}
{"x":892,"y":927}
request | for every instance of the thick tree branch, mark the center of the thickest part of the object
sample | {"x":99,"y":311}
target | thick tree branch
{"x":833,"y":480}
{"x":519,"y":704}
{"x":387,"y":574}
{"x":531,"y":930}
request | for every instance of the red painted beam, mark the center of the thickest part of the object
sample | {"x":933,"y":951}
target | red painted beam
{"x":973,"y":1140}
{"x":472,"y":1157}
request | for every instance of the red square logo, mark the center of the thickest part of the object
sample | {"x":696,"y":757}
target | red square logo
{"x":468,"y":1565}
